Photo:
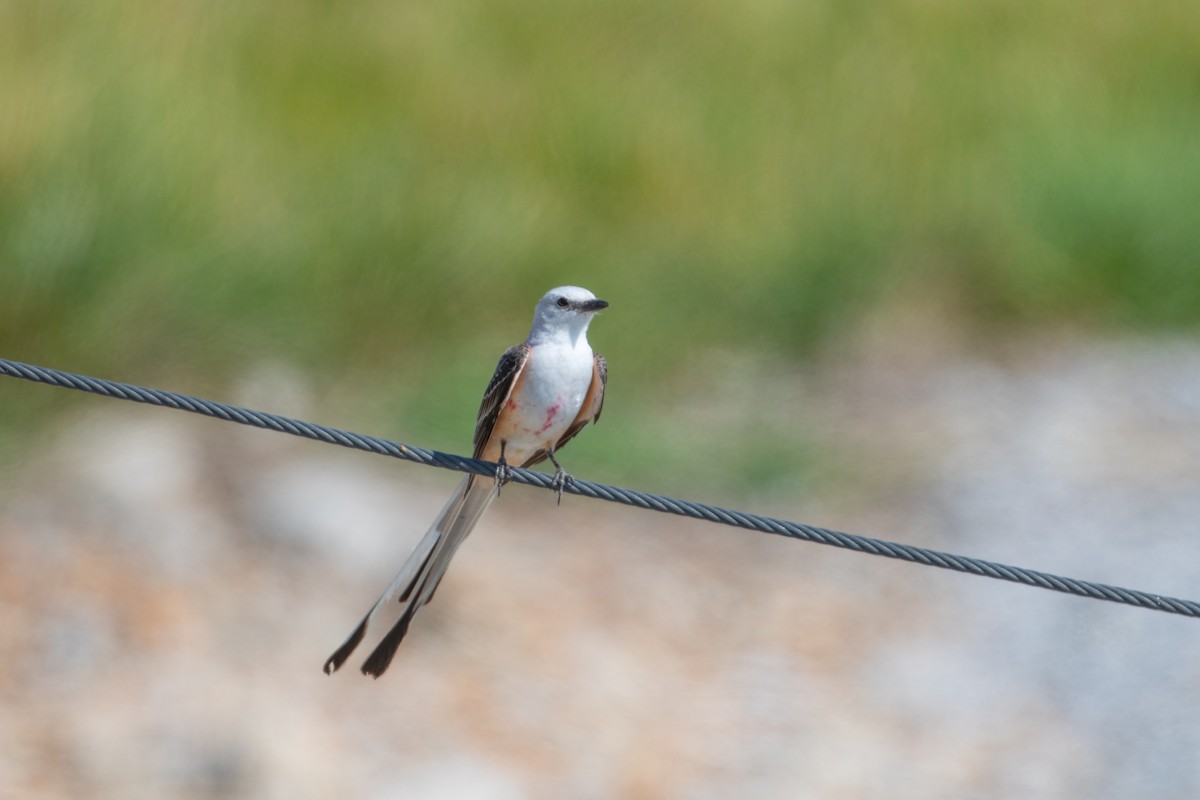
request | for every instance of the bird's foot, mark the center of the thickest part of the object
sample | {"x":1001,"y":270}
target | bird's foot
{"x":561,"y":481}
{"x":503,"y":474}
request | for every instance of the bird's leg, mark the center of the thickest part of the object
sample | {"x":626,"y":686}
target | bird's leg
{"x":502,"y":470}
{"x":561,"y":478}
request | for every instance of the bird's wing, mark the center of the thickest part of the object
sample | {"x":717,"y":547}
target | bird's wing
{"x":593,"y":402}
{"x":498,"y":390}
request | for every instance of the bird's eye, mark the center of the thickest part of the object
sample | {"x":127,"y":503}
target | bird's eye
{"x":562,"y":302}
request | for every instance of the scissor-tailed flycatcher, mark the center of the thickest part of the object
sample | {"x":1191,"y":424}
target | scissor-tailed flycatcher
{"x":544,"y":391}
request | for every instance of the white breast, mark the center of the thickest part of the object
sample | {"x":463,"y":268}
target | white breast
{"x":548,"y":397}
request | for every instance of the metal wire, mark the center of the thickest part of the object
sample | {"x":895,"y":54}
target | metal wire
{"x":631,"y":497}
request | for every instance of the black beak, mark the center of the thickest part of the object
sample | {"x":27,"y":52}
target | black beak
{"x":593,"y":305}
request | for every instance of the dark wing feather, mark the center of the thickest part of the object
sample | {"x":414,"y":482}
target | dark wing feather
{"x":498,"y":390}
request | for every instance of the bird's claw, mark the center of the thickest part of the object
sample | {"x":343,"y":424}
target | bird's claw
{"x":561,"y":481}
{"x":503,"y":474}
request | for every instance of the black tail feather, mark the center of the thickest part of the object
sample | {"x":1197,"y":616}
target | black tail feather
{"x":382,"y":655}
{"x":335,"y":661}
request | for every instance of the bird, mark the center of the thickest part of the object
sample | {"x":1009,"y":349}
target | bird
{"x":543,"y":392}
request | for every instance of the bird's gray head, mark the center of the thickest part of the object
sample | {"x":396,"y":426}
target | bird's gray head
{"x":567,"y":309}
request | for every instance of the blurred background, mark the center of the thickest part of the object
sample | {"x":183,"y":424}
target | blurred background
{"x":919,"y":270}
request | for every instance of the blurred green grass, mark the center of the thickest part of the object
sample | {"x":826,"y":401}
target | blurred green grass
{"x":377,"y":194}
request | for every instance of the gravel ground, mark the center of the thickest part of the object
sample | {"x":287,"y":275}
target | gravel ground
{"x":170,"y":586}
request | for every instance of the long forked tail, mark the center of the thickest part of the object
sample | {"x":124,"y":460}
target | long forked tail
{"x":420,"y":575}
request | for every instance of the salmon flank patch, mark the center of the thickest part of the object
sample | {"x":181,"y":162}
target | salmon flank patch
{"x":551,"y":413}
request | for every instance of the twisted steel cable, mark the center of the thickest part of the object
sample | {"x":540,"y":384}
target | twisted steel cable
{"x":615,"y":494}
